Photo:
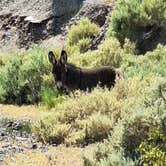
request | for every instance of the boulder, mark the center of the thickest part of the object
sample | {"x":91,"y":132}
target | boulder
{"x":23,"y":22}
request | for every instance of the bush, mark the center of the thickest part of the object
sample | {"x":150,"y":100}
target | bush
{"x":22,"y":77}
{"x":91,"y":116}
{"x":9,"y":83}
{"x":153,"y":63}
{"x":80,"y":35}
{"x":95,"y":128}
{"x":140,"y":21}
{"x":117,"y":158}
{"x":153,"y":150}
{"x":108,"y":53}
{"x":80,"y":116}
{"x":50,"y":97}
{"x":2,"y":59}
{"x":132,"y":131}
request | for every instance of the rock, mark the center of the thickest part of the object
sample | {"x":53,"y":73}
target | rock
{"x":34,"y":146}
{"x":40,"y":9}
{"x":21,"y":139}
{"x":2,"y":134}
{"x":65,"y":7}
{"x":9,"y":124}
{"x":97,"y":11}
{"x":25,"y":22}
{"x":5,"y":146}
{"x":14,"y":142}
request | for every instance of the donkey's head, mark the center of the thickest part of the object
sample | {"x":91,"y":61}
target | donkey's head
{"x":59,"y":69}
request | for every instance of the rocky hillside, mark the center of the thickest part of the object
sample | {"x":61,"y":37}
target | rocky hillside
{"x":25,"y":22}
{"x":121,"y":126}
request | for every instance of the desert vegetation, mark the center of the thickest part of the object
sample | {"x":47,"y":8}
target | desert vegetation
{"x":127,"y":123}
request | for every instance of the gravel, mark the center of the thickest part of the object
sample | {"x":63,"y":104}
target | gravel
{"x":16,"y":136}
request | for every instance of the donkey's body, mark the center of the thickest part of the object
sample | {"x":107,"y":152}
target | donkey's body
{"x":70,"y":77}
{"x":83,"y":79}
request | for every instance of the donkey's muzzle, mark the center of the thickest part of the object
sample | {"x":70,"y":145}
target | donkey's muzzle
{"x":60,"y":87}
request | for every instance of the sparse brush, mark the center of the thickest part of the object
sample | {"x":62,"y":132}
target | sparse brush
{"x":21,"y":77}
{"x":109,"y":53}
{"x":153,"y":63}
{"x":140,"y":21}
{"x":91,"y":116}
{"x":132,"y":131}
{"x":81,"y":34}
{"x":50,"y":97}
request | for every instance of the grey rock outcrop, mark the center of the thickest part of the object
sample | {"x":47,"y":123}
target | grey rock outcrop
{"x":23,"y":22}
{"x":39,"y":9}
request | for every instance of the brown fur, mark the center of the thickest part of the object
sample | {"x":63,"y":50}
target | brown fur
{"x":69,"y":77}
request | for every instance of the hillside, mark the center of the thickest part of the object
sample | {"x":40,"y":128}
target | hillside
{"x":48,"y":118}
{"x":24,"y":23}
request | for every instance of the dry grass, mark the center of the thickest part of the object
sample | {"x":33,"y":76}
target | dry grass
{"x":55,"y":156}
{"x":27,"y":159}
{"x":21,"y":112}
{"x":89,"y":117}
{"x":108,"y":1}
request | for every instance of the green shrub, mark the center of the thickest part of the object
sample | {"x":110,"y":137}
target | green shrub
{"x":50,"y":97}
{"x":117,"y":158}
{"x":139,"y":21}
{"x":77,"y":112}
{"x":95,"y":128}
{"x":132,"y":131}
{"x":53,"y":134}
{"x":2,"y":60}
{"x":80,"y":112}
{"x":81,"y":34}
{"x":129,"y":47}
{"x":109,"y":53}
{"x":153,"y":63}
{"x":91,"y":116}
{"x":10,"y":86}
{"x":153,"y":150}
{"x":83,"y":44}
{"x":22,"y":77}
{"x":148,"y":114}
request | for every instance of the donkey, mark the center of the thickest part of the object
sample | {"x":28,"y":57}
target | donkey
{"x":69,"y":77}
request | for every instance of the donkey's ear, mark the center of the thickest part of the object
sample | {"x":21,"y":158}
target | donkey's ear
{"x":63,"y":58}
{"x":51,"y":57}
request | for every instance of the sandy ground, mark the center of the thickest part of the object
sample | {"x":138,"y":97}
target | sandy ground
{"x":17,"y":150}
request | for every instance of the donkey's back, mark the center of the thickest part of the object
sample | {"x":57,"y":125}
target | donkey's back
{"x":103,"y":76}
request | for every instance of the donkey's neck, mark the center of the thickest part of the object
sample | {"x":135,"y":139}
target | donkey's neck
{"x":73,"y":76}
{"x":71,"y":67}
